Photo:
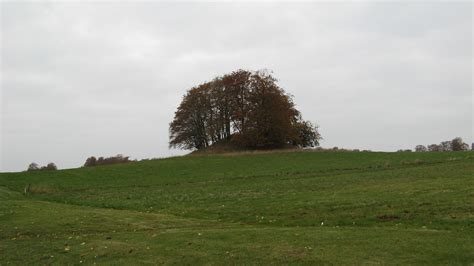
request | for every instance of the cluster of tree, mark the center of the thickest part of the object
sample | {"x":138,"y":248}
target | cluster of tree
{"x":457,"y":144}
{"x":341,"y":149}
{"x":36,"y":167}
{"x":246,"y":108}
{"x":93,"y":161}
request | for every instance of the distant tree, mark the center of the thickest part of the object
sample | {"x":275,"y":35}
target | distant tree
{"x":465,"y":147}
{"x":458,"y":144}
{"x":402,"y":150}
{"x":33,"y":167}
{"x":49,"y":167}
{"x":36,"y":167}
{"x":434,"y":147}
{"x":119,"y":158}
{"x":446,"y":146}
{"x":91,"y":161}
{"x":421,"y":148}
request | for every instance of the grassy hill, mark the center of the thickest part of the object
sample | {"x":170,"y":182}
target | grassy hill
{"x":256,"y":208}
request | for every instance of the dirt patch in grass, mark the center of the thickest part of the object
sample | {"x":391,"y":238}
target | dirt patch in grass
{"x":37,"y":189}
{"x":386,"y":218}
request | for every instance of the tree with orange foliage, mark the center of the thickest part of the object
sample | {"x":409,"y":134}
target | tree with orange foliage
{"x":247,"y":108}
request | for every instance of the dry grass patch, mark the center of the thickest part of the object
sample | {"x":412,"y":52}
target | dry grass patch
{"x":38,"y":189}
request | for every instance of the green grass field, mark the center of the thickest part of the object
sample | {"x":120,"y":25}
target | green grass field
{"x":278,"y":208}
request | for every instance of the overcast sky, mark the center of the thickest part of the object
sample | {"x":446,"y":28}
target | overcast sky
{"x":82,"y":79}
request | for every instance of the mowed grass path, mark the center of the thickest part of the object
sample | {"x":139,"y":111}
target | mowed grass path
{"x":279,"y":208}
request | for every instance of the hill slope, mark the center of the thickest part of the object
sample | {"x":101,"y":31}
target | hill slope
{"x":285,"y":207}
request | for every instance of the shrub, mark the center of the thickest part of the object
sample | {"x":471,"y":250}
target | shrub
{"x":36,"y":167}
{"x":49,"y":166}
{"x":92,"y":161}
